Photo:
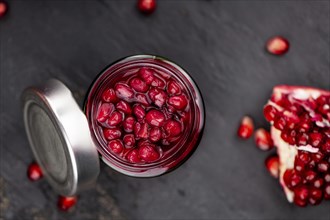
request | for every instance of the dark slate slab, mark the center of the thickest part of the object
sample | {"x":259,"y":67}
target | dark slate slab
{"x":221,"y":43}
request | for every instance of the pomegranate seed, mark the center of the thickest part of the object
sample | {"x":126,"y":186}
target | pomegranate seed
{"x":148,"y":153}
{"x":272,"y":164}
{"x":157,"y":82}
{"x":327,"y":192}
{"x":172,"y":128}
{"x":34,"y":172}
{"x":303,"y":157}
{"x":318,"y":183}
{"x":160,"y":98}
{"x":173,"y":88}
{"x":147,"y":6}
{"x":109,"y":95}
{"x":179,"y":102}
{"x":327,"y":177}
{"x":147,"y":75}
{"x":129,"y":140}
{"x":155,"y":118}
{"x":279,"y":123}
{"x":116,"y":146}
{"x":263,"y":139}
{"x":66,"y":203}
{"x":246,"y":127}
{"x":317,"y":157}
{"x":141,"y":98}
{"x":277,"y":45}
{"x":124,"y":107}
{"x":143,"y":131}
{"x":305,"y":126}
{"x":302,"y":139}
{"x":291,"y":178}
{"x":299,"y":166}
{"x":315,"y":193}
{"x":123,"y":91}
{"x":323,"y":166}
{"x":326,"y":146}
{"x":139,"y":111}
{"x":128,"y":124}
{"x":112,"y":133}
{"x":3,"y":8}
{"x":104,"y":111}
{"x":315,"y":139}
{"x":115,"y":118}
{"x":137,"y":127}
{"x":138,"y":85}
{"x":155,"y":134}
{"x":300,"y":203}
{"x":310,"y":176}
{"x":314,"y":201}
{"x":133,"y":156}
{"x":301,"y":193}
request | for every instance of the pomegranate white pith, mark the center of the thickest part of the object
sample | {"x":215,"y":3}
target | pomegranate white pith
{"x":300,"y":129}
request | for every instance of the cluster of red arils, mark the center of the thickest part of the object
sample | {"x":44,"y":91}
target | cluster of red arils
{"x":300,"y":131}
{"x":64,"y":203}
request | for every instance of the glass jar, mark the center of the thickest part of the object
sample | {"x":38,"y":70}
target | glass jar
{"x":156,"y":97}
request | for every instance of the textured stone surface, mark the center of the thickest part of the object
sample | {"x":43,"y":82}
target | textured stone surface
{"x":221,"y":43}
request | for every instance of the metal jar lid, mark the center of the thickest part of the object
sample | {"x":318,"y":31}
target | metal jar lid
{"x":60,"y":137}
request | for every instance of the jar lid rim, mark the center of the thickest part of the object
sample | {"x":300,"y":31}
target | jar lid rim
{"x":60,"y":138}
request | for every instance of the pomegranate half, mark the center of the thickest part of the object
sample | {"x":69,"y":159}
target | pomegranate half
{"x":300,"y":129}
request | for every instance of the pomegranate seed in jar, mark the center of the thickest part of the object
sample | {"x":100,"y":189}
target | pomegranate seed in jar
{"x":277,"y":45}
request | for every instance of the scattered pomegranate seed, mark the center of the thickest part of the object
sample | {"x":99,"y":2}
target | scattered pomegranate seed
{"x":3,"y":8}
{"x":34,"y":172}
{"x":146,"y":6}
{"x":263,"y":139}
{"x":277,"y":45}
{"x":246,"y":127}
{"x":66,"y":203}
{"x":272,"y":165}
